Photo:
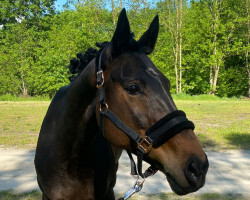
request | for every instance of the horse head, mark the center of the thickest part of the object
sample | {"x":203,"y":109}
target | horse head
{"x":139,"y":95}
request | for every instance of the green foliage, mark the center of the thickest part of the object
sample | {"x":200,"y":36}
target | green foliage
{"x":36,"y":42}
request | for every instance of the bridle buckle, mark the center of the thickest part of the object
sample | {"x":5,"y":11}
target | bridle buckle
{"x":145,"y":145}
{"x":100,"y":79}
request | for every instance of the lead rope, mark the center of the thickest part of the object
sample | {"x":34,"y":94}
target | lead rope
{"x":134,"y":173}
{"x":136,"y":188}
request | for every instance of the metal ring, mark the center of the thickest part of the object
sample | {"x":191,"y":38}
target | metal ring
{"x":105,"y":105}
{"x":135,"y":176}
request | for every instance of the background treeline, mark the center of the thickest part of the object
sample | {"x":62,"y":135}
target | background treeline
{"x":203,"y":46}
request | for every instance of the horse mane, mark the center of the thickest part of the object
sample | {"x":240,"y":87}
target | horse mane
{"x":78,"y":64}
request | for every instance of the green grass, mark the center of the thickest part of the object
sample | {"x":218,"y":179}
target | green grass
{"x":172,"y":196}
{"x":9,"y":195}
{"x":35,"y":195}
{"x":9,"y":97}
{"x":220,"y":123}
{"x":201,"y":97}
{"x":20,"y":123}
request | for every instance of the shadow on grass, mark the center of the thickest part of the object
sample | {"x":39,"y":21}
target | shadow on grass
{"x":207,"y":142}
{"x":222,"y":197}
{"x":239,"y":140}
{"x":10,"y":195}
{"x":207,"y":196}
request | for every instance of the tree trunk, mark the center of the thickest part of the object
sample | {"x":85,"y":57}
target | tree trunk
{"x":180,"y":85}
{"x":176,"y":69}
{"x":211,"y":76}
{"x":248,"y":44}
{"x":121,"y":4}
{"x":115,"y":7}
{"x":180,"y":51}
{"x":248,"y":72}
{"x":216,"y":73}
{"x":113,"y":11}
{"x":176,"y":48}
{"x":173,"y":29}
{"x":215,"y":66}
{"x":24,"y":89}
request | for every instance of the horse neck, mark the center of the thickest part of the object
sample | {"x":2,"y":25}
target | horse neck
{"x":76,"y":107}
{"x":82,"y":96}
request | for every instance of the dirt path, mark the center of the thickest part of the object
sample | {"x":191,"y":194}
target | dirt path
{"x":229,"y":173}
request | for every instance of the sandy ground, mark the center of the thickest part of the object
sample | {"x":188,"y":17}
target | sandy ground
{"x":229,"y":172}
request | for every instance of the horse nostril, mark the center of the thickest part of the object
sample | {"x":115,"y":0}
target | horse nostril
{"x":195,"y":172}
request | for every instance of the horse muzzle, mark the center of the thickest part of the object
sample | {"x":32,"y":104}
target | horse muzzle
{"x":195,"y":173}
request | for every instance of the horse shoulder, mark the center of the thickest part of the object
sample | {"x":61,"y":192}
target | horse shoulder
{"x":56,"y":165}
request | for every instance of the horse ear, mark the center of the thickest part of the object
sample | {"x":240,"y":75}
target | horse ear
{"x":148,"y":39}
{"x":121,"y":36}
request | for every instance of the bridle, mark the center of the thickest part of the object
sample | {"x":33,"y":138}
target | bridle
{"x":159,"y":133}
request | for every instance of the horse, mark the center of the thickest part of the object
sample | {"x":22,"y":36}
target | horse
{"x":120,"y":101}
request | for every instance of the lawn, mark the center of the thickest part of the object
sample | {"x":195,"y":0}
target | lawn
{"x":8,"y":195}
{"x":220,"y":123}
{"x":20,"y":122}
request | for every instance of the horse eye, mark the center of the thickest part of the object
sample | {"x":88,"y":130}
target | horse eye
{"x":133,"y":89}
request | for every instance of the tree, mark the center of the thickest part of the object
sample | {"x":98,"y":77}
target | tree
{"x":116,"y":6}
{"x":203,"y":45}
{"x":22,"y":27}
{"x":214,"y":37}
{"x":73,"y":31}
{"x":224,"y":21}
{"x":172,"y":14}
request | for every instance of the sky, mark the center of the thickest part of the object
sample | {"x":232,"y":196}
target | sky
{"x":59,"y":4}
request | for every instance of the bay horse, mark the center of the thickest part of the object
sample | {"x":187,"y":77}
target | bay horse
{"x":85,"y":129}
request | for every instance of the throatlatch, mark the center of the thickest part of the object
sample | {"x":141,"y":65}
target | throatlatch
{"x":159,"y":133}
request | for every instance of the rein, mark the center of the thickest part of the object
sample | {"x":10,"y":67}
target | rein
{"x":162,"y":131}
